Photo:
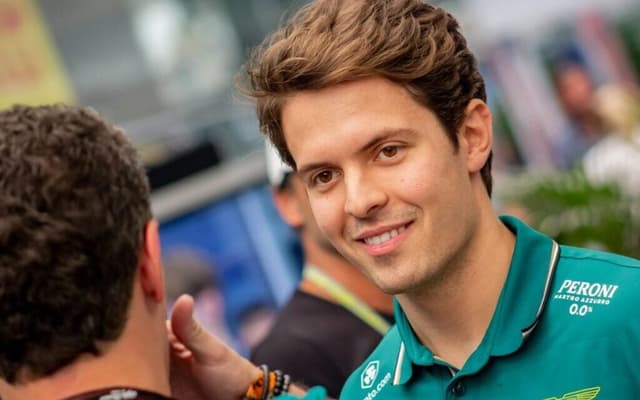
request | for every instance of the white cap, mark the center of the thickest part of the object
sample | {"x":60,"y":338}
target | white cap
{"x":277,"y":170}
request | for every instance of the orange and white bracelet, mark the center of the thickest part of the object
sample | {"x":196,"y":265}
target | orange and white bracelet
{"x":268,"y":385}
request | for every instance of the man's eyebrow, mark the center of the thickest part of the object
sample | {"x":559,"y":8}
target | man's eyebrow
{"x":310,"y":167}
{"x":385,"y":134}
{"x":380,"y":136}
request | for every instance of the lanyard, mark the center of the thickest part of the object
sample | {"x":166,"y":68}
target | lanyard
{"x":346,"y":299}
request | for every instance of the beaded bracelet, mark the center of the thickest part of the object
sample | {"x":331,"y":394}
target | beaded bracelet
{"x":268,"y":385}
{"x":279,"y":378}
{"x":285,"y":385}
{"x":257,"y":390}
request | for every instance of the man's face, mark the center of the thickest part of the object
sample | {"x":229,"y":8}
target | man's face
{"x":383,"y":180}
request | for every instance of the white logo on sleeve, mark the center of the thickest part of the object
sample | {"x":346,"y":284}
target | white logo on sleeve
{"x":368,"y":377}
{"x":120,"y":394}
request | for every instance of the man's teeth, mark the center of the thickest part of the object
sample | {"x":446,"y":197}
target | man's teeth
{"x":375,"y":240}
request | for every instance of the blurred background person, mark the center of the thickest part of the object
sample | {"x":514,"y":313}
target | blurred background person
{"x":576,"y":90}
{"x":616,"y":156}
{"x":336,"y":316}
{"x":254,"y":324}
{"x":188,"y":272}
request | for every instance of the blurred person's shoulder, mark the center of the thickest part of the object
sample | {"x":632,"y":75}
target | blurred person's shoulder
{"x":316,"y":341}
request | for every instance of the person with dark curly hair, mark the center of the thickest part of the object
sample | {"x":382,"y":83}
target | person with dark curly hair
{"x":380,"y":109}
{"x":82,"y":313}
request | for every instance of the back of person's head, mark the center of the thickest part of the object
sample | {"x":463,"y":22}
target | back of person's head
{"x":328,"y":42}
{"x":74,"y":201}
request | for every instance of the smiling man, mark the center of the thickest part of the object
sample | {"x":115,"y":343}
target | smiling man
{"x":381,"y":109}
{"x":400,"y":201}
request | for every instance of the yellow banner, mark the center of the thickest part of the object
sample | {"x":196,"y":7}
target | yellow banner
{"x":30,"y":70}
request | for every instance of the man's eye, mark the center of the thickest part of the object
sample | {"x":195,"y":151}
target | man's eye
{"x":322,"y":178}
{"x":389,"y":151}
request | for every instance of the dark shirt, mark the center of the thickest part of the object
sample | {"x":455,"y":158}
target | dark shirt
{"x":317,"y":342}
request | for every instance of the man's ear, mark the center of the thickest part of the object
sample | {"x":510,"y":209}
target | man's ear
{"x":476,"y":134}
{"x":288,"y":207}
{"x":150,"y":264}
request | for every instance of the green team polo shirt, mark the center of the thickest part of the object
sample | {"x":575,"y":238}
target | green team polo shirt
{"x":567,"y":326}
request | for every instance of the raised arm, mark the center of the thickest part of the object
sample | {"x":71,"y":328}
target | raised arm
{"x":205,"y":368}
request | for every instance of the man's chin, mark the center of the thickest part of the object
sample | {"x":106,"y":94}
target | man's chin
{"x":390,"y":286}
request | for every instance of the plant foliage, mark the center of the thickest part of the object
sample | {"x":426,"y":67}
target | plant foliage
{"x":575,"y":211}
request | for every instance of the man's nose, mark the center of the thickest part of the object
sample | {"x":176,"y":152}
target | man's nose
{"x":364,"y":194}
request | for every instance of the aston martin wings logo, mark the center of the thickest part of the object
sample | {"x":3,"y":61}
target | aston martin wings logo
{"x":582,"y":394}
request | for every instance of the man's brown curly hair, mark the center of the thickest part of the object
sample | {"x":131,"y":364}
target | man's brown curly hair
{"x":328,"y":42}
{"x":74,"y":200}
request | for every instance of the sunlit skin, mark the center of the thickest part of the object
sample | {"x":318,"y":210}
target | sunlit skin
{"x":293,"y":206}
{"x":394,"y":168}
{"x":374,"y":160}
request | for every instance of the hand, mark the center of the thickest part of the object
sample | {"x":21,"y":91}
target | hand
{"x":202,"y":366}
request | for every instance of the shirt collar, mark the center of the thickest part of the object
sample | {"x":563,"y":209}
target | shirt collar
{"x":520,"y":304}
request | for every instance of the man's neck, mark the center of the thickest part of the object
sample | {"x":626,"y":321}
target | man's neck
{"x":86,"y":374}
{"x":137,"y":359}
{"x":451,"y":318}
